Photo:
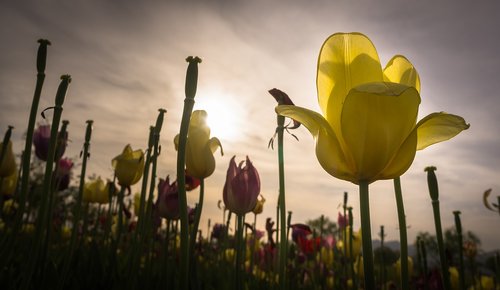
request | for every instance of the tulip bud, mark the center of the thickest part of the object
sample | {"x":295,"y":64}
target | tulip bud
{"x":192,"y":76}
{"x":242,"y":187}
{"x":62,"y":174}
{"x":128,"y":166}
{"x":62,"y":89}
{"x":8,"y":161}
{"x":168,"y":199}
{"x":259,"y":206}
{"x":432,"y":183}
{"x":41,"y":58}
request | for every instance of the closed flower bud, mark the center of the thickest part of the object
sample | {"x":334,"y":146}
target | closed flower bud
{"x":242,"y":187}
{"x":8,"y":165}
{"x":129,"y":166}
{"x":167,"y":203}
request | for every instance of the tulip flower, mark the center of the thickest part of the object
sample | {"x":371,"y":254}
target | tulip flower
{"x":368,"y":128}
{"x":242,"y":187}
{"x":8,"y":163}
{"x":167,"y":203}
{"x":96,"y":191}
{"x":129,"y":166}
{"x":8,"y":184}
{"x":41,"y":140}
{"x":62,"y":175}
{"x":356,"y":243}
{"x":259,"y":206}
{"x":200,"y":148}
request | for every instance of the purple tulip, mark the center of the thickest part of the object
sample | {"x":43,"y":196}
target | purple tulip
{"x":41,"y":140}
{"x":168,"y":199}
{"x":62,"y":176}
{"x":242,"y":187}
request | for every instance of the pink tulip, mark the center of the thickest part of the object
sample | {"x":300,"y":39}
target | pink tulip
{"x":242,"y":187}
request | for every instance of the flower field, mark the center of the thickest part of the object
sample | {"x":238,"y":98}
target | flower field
{"x":98,"y":234}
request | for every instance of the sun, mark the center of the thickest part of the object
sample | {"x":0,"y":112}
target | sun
{"x":224,"y":116}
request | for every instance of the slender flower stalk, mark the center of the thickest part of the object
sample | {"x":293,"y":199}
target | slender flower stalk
{"x":190,"y":90}
{"x":145,"y":178}
{"x":461,"y":268}
{"x":351,"y":249}
{"x":366,"y":237}
{"x":403,"y":238}
{"x":196,"y":223}
{"x":154,"y":162}
{"x":10,"y":165}
{"x":283,"y":245}
{"x":382,"y":260}
{"x":434,"y":193}
{"x":239,"y":252}
{"x":45,"y":216}
{"x":40,"y":65}
{"x":78,"y":204}
{"x":423,"y":250}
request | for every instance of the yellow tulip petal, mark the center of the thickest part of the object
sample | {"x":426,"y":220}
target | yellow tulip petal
{"x":439,"y":127}
{"x":346,"y":60}
{"x":198,"y":118}
{"x":128,"y":166}
{"x":400,"y":70}
{"x":8,"y":164}
{"x":214,"y":143}
{"x":176,"y":142}
{"x":8,"y":184}
{"x":402,"y":160}
{"x":328,"y":150}
{"x":376,"y":120}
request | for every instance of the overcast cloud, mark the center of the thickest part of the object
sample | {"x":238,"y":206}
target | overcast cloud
{"x":127,"y":61}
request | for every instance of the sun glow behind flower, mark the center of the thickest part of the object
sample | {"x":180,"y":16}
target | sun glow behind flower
{"x":224,"y":116}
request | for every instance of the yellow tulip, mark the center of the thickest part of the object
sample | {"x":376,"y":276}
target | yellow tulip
{"x":8,"y":164}
{"x":356,"y":243}
{"x":454,"y":277}
{"x":128,"y":166}
{"x":368,"y":129}
{"x":200,"y":148}
{"x":259,"y":206}
{"x":398,"y":267}
{"x":96,"y":191}
{"x":9,"y":183}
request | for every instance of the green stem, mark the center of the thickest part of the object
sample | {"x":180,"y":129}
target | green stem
{"x":145,"y":179}
{"x":382,"y":260}
{"x":403,"y":239}
{"x":40,"y":78}
{"x":283,"y":245}
{"x":458,"y":226}
{"x":366,"y":236}
{"x":424,"y":262}
{"x":78,"y":204}
{"x":239,"y":253}
{"x":439,"y":236}
{"x":351,"y":258}
{"x":119,"y":228}
{"x":43,"y":219}
{"x":190,"y":90}
{"x":196,"y":223}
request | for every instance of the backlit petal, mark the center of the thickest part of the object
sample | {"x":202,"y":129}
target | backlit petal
{"x":439,"y":127}
{"x":328,"y":150}
{"x":400,"y":70}
{"x":214,"y":143}
{"x":346,"y":60}
{"x":402,"y":160}
{"x":376,"y":120}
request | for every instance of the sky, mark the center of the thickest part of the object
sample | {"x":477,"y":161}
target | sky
{"x":127,"y":60}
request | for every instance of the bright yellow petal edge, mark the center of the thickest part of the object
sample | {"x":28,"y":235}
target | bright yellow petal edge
{"x":439,"y":127}
{"x":328,"y":150}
